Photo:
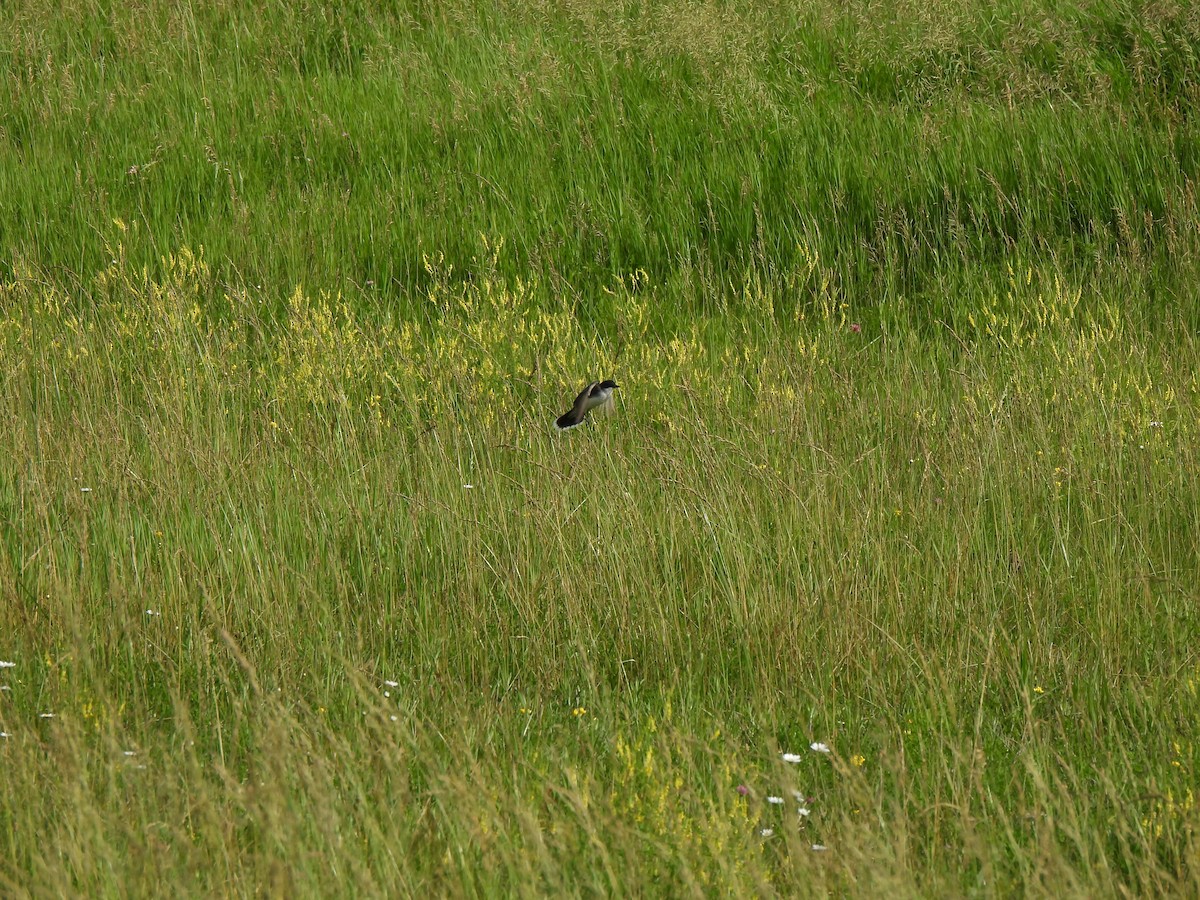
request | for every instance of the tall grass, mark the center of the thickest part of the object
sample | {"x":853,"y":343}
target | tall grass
{"x":303,"y":595}
{"x":364,"y":623}
{"x":338,"y":147}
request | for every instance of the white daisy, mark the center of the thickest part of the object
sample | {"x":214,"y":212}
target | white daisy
{"x":819,"y":747}
{"x":791,"y":757}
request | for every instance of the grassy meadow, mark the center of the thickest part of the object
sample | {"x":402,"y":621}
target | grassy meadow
{"x":883,"y":579}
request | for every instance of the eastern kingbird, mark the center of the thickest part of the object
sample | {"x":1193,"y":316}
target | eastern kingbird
{"x":595,"y":394}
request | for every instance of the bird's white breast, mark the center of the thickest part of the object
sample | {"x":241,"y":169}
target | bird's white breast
{"x":599,"y":398}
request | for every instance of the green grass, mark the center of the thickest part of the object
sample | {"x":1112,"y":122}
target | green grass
{"x":905,"y":460}
{"x":336,"y":148}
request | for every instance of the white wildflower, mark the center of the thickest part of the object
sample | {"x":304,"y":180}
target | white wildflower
{"x":819,"y":848}
{"x":819,"y":747}
{"x":767,"y":832}
{"x":775,"y":800}
{"x":791,"y":757}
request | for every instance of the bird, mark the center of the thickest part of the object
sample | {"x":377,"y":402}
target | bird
{"x":595,"y":394}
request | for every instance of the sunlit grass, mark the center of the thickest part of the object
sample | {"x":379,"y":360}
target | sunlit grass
{"x":322,"y":602}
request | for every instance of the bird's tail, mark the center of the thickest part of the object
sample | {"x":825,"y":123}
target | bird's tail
{"x":567,"y":420}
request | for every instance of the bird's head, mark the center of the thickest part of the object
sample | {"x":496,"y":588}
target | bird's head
{"x":608,"y":384}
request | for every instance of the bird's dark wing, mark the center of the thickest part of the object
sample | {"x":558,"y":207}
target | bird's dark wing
{"x":579,"y":410}
{"x":582,"y":399}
